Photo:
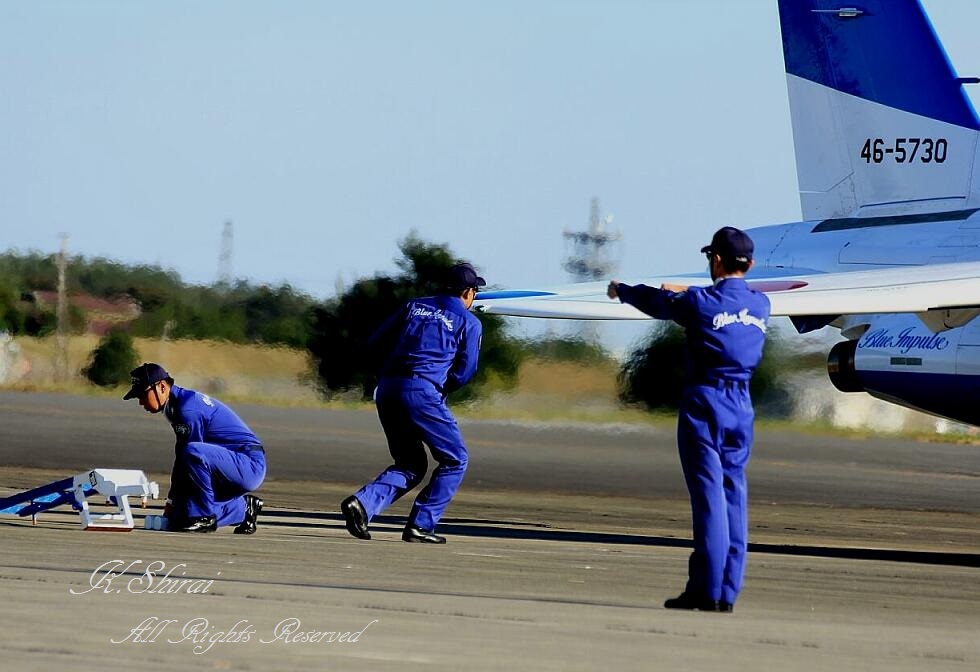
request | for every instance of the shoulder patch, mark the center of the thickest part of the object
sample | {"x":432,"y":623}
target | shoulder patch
{"x":206,"y":399}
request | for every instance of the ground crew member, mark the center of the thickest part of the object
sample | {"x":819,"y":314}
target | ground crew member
{"x":725,"y":326}
{"x":218,"y":459}
{"x":433,"y":351}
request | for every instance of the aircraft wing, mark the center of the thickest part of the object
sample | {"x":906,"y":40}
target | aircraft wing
{"x":906,"y":289}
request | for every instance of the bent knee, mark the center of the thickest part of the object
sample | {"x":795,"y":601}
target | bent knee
{"x":195,"y":451}
{"x":454,"y":464}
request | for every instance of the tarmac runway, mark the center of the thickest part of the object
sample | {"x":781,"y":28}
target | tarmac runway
{"x":563,"y":543}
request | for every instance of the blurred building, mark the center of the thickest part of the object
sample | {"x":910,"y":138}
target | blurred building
{"x":101,"y":315}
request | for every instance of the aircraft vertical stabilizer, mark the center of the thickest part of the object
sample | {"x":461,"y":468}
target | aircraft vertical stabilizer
{"x":888,"y":156}
{"x":881,"y":123}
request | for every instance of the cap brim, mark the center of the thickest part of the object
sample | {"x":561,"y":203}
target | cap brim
{"x":706,"y":249}
{"x":480,"y":282}
{"x":132,"y":394}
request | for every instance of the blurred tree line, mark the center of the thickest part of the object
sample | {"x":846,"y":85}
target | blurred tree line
{"x":334,"y":332}
{"x":241,"y":313}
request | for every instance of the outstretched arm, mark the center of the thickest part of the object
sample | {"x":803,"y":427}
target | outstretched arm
{"x":664,"y":303}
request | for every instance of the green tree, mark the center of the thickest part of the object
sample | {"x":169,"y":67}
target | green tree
{"x":32,"y":271}
{"x":277,"y":315}
{"x":112,"y":360}
{"x":341,"y":327}
{"x":567,"y":349}
{"x":654,"y":374}
{"x":11,"y":316}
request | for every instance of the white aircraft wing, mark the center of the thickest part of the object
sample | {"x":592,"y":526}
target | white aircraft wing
{"x":906,"y":289}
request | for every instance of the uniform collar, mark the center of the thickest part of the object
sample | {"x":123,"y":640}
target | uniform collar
{"x":168,"y":408}
{"x":729,"y":277}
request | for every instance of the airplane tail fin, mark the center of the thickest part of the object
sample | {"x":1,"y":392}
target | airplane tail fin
{"x":881,"y":123}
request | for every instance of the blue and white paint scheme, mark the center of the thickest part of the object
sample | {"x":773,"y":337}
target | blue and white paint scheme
{"x":888,"y":163}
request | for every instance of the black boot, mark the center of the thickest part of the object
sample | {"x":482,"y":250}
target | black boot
{"x":691,"y":602}
{"x":417,"y":534}
{"x":356,"y":517}
{"x":202,"y":524}
{"x":253,"y":507}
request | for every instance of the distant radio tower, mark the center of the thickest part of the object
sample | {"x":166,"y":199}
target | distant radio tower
{"x":590,"y":258}
{"x":227,"y":250}
{"x":61,"y":363}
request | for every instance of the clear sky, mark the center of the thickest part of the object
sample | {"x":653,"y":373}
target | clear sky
{"x":327,"y":131}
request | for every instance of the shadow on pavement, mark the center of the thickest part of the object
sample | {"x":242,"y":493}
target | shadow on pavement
{"x":494,"y":529}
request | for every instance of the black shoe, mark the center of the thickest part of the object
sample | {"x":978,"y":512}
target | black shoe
{"x":416,"y":534}
{"x":253,"y":507}
{"x":356,"y":517}
{"x":202,"y":524}
{"x":691,"y":602}
{"x":725,"y":607}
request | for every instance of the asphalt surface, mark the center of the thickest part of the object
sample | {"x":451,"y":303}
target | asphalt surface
{"x":63,"y":431}
{"x":563,"y":543}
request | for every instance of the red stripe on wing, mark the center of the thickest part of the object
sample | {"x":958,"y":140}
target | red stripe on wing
{"x":777,"y":285}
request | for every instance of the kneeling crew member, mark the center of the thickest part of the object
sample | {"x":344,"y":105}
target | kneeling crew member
{"x":218,"y":458}
{"x":435,"y":352}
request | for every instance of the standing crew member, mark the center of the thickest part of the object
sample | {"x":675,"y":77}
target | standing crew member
{"x":436,"y":346}
{"x":725,"y":326}
{"x":217,"y":457}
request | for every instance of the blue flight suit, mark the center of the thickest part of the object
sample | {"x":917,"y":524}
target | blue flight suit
{"x":218,"y":458}
{"x":725,"y":326}
{"x":435,"y":352}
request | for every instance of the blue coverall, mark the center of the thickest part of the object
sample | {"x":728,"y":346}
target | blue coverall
{"x":218,"y":459}
{"x":725,"y":325}
{"x":435,"y":352}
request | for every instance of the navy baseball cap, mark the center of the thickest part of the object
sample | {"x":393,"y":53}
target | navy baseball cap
{"x":730,"y":243}
{"x":463,"y":276}
{"x":145,"y":376}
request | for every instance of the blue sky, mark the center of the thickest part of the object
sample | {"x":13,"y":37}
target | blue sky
{"x":328,"y":131}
